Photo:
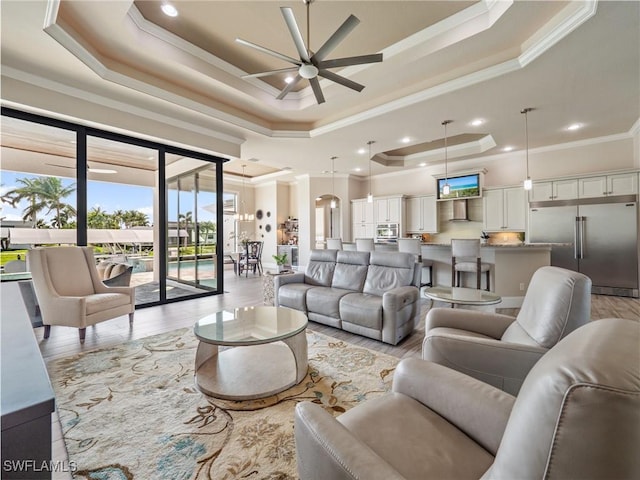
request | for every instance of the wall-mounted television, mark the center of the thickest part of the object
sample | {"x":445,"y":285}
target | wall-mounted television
{"x":463,"y":186}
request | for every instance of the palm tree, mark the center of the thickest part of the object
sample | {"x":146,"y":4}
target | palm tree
{"x":52,"y":193}
{"x":188,"y":218}
{"x":31,"y":190}
{"x":98,"y":218}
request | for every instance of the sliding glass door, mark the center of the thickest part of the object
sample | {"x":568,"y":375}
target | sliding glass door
{"x":150,"y":205}
{"x":192,"y":245}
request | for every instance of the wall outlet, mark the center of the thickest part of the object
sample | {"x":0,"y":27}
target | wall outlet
{"x":522,"y":287}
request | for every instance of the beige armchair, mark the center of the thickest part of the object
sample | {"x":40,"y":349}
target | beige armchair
{"x":501,"y":349}
{"x":577,"y":416}
{"x":70,"y":291}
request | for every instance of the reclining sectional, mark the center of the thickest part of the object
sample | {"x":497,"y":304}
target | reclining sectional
{"x":374,"y":294}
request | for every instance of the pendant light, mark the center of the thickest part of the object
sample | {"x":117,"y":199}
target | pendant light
{"x":370,"y":194}
{"x":527,"y":182}
{"x":333,"y":184}
{"x":446,"y":188}
{"x":243,"y":216}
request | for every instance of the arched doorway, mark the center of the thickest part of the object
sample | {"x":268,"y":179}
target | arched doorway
{"x":328,"y":218}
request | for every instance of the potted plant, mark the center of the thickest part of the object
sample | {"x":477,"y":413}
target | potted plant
{"x":281,"y":261}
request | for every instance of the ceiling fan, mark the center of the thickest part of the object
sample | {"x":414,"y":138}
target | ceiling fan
{"x":311,"y":65}
{"x":89,"y":168}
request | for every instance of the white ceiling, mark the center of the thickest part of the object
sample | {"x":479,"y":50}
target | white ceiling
{"x":575,"y":61}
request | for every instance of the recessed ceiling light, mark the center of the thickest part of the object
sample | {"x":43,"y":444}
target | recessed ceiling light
{"x":574,"y":126}
{"x":405,"y":140}
{"x":508,"y":148}
{"x":362,"y":151}
{"x":288,"y":80}
{"x":318,"y":199}
{"x":422,"y":164}
{"x":477,"y":122}
{"x":102,"y":170}
{"x":169,"y":10}
{"x":357,"y":169}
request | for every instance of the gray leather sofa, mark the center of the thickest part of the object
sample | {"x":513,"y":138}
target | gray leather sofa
{"x":374,"y":294}
{"x":577,"y":416}
{"x":501,"y":349}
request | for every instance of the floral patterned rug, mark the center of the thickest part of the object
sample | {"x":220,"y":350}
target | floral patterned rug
{"x":132,"y":411}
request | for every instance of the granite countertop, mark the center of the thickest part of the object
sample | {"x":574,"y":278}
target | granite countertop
{"x":503,"y":245}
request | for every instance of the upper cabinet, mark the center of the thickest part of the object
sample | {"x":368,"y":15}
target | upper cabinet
{"x":362,"y":211}
{"x":554,"y":190}
{"x":422,"y":214}
{"x":388,"y":210}
{"x":505,"y":209}
{"x":605,"y":185}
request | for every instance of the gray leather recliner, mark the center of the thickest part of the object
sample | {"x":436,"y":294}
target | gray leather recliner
{"x":501,"y":349}
{"x":577,"y":416}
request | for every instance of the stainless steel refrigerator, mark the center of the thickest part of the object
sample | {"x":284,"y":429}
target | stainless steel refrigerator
{"x":601,"y":236}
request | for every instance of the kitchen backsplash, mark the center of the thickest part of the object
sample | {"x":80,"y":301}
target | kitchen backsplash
{"x":471,"y":229}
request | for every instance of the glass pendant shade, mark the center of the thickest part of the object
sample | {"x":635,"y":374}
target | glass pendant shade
{"x":528,"y":184}
{"x":333,"y":203}
{"x":446,"y":189}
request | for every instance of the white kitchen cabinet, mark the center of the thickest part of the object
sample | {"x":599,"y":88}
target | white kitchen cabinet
{"x":388,"y":210}
{"x":422,"y":214}
{"x":505,"y":210}
{"x":554,"y":190}
{"x":362,"y":211}
{"x":363,"y":230}
{"x":605,"y":185}
{"x":362,"y":219}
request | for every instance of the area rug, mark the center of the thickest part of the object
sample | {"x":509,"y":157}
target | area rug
{"x":132,"y":411}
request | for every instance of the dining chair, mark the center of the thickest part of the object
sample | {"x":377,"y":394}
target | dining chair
{"x":465,"y":257}
{"x":365,"y":245}
{"x":251,"y":258}
{"x":413,"y":245}
{"x":334,"y":244}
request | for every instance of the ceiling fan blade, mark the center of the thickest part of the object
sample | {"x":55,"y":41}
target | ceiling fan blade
{"x":271,"y":72}
{"x":317,"y":91}
{"x":286,"y":58}
{"x":339,"y":35}
{"x":289,"y":87}
{"x":60,"y":166}
{"x":287,"y":13}
{"x":348,"y":61}
{"x":341,"y":80}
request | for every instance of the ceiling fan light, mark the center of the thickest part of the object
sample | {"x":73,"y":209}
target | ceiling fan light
{"x":308,"y":71}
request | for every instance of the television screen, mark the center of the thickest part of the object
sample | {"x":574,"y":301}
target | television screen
{"x":466,"y":186}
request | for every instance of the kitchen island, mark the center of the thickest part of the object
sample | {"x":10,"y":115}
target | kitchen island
{"x":512,"y":266}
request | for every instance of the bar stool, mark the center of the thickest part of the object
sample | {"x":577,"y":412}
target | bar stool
{"x":465,"y":257}
{"x":334,"y":244}
{"x":365,"y":245}
{"x":412,"y":245}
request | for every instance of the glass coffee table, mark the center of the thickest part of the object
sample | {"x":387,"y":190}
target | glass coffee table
{"x":268,"y":354}
{"x":462,"y":296}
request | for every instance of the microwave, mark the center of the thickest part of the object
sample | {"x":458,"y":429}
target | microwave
{"x":387,"y":232}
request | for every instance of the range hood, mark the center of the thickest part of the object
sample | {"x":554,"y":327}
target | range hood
{"x":459,"y":211}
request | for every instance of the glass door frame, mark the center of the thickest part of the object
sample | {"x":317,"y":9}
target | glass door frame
{"x":82,"y":132}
